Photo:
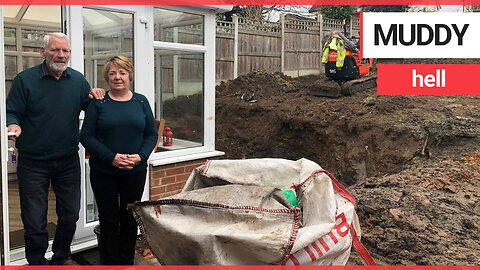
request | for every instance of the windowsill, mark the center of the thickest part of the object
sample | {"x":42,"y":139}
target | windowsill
{"x":178,"y":144}
{"x":189,"y":157}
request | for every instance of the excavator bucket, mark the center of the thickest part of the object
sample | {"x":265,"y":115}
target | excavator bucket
{"x":326,"y":88}
{"x":361,"y":84}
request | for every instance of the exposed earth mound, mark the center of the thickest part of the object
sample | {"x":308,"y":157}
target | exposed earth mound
{"x":410,"y":161}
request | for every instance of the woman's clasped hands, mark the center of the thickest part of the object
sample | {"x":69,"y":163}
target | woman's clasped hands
{"x":126,"y":161}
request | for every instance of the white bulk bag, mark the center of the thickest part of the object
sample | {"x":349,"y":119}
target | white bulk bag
{"x":234,"y":212}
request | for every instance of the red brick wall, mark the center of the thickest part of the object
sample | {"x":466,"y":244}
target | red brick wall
{"x":167,"y":180}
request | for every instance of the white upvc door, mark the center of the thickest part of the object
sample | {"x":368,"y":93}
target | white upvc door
{"x":3,"y":154}
{"x":129,"y":31}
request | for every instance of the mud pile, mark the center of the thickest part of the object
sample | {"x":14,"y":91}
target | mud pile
{"x":260,"y":85}
{"x":400,"y":156}
{"x":422,"y":216}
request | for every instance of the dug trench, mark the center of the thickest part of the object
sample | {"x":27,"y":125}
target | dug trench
{"x":411,"y":162}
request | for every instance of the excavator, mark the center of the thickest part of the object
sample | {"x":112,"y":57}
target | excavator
{"x":346,"y":72}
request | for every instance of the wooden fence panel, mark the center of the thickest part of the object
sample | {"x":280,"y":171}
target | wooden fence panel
{"x":224,"y":57}
{"x":249,"y":63}
{"x":224,"y":48}
{"x":258,"y":51}
{"x":298,"y":41}
{"x":223,"y":71}
{"x":302,"y":52}
{"x":301,"y":62}
{"x":260,"y":45}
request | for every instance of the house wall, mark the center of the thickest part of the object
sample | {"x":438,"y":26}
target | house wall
{"x":168,"y":180}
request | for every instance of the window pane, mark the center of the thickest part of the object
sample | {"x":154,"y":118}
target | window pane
{"x":10,"y":67}
{"x":10,"y":36}
{"x":32,"y":40}
{"x":22,"y":53}
{"x":179,"y":95}
{"x":178,"y":27}
{"x":30,"y":61}
{"x":47,"y":14}
{"x":10,"y":72}
{"x":106,"y":34}
{"x":11,"y":11}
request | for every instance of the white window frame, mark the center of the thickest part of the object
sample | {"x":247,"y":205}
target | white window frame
{"x":4,"y":154}
{"x":208,"y":50}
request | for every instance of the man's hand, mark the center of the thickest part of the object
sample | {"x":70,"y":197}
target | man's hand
{"x":97,"y":93}
{"x":14,"y":128}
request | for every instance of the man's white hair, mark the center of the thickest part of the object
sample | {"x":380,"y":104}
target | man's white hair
{"x":46,"y":38}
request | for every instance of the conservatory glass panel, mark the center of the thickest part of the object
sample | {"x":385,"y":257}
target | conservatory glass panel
{"x":178,"y":27}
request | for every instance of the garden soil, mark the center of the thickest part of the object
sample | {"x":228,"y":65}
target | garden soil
{"x":411,"y":162}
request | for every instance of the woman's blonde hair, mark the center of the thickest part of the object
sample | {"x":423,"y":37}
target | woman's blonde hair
{"x":119,"y":61}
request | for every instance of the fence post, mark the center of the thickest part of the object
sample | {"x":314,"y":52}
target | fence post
{"x":235,"y":46}
{"x":320,"y":27}
{"x":282,"y":48}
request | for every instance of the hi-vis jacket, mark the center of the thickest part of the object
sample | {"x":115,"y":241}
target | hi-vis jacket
{"x":334,"y":43}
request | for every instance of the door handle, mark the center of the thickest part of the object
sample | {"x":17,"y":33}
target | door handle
{"x":14,"y":156}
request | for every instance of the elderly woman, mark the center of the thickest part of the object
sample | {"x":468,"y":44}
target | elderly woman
{"x":120,"y":133}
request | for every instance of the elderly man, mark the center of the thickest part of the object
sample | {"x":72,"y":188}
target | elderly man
{"x":42,"y":109}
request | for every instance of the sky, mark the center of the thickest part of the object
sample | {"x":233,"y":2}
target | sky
{"x":303,"y":10}
{"x":451,"y":8}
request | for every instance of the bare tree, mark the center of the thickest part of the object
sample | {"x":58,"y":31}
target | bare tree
{"x":262,"y":12}
{"x":254,"y":12}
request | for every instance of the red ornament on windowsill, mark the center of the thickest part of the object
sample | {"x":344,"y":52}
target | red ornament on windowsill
{"x":167,"y":137}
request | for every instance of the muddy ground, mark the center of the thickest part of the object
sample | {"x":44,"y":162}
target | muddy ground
{"x":411,"y":162}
